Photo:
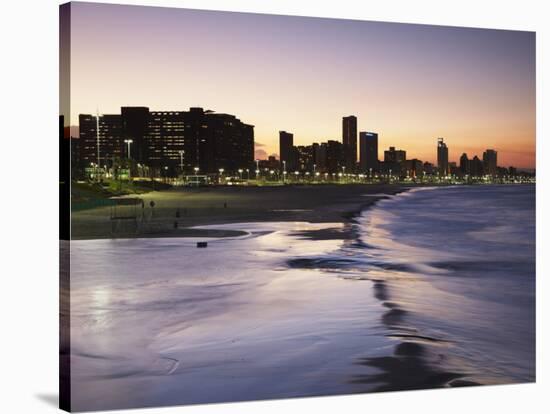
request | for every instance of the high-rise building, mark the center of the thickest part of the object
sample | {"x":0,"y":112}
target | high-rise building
{"x":394,"y":156}
{"x":428,"y":168}
{"x":166,"y":137}
{"x":195,"y":134}
{"x":453,"y":168}
{"x":88,"y":139}
{"x":464,"y":164}
{"x":229,"y":143}
{"x":476,"y":167}
{"x":101,"y":146}
{"x":368,"y":151}
{"x":335,"y":156}
{"x":413,"y":168}
{"x":490,"y":162}
{"x":286,"y":146}
{"x":321,"y":157}
{"x":305,"y":157}
{"x":170,"y":140}
{"x":442,"y":157}
{"x":394,"y":162}
{"x":349,"y":140}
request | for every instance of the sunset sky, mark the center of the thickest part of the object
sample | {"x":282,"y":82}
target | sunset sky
{"x":409,"y":83}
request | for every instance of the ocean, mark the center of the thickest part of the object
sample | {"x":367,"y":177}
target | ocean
{"x":457,"y":266}
{"x":434,"y":287}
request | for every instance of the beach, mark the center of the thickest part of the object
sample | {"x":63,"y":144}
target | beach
{"x":191,"y":207}
{"x":366,"y":292}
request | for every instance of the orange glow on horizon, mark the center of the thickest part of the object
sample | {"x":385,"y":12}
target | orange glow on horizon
{"x":409,"y":83}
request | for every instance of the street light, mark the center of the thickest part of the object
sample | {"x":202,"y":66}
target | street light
{"x":129,"y":142}
{"x":284,"y":171}
{"x":241,"y":173}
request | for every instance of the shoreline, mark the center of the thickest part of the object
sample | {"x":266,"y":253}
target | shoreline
{"x":384,"y":341}
{"x":181,"y":212}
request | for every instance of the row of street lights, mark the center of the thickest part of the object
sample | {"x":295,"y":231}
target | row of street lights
{"x":315,"y":173}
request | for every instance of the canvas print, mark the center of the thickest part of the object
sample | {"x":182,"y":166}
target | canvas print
{"x":262,"y":207}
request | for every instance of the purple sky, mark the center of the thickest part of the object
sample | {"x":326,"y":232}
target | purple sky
{"x":409,"y":83}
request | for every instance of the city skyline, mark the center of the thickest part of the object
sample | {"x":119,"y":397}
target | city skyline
{"x":409,"y":83}
{"x":368,"y":154}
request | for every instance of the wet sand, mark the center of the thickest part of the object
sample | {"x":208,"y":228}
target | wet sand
{"x":177,"y":211}
{"x":156,"y":321}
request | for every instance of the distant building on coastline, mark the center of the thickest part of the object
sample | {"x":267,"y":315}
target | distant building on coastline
{"x":305,"y":157}
{"x":414,"y":168}
{"x":170,"y":142}
{"x":368,"y":151}
{"x":476,"y":167}
{"x":464,"y":164}
{"x":490,"y":162}
{"x":286,"y":150}
{"x":100,"y":146}
{"x":349,"y":141}
{"x":271,"y":163}
{"x":321,"y":157}
{"x":442,"y":157}
{"x":429,"y":168}
{"x":393,"y":155}
{"x":335,"y":157}
{"x":394,"y":160}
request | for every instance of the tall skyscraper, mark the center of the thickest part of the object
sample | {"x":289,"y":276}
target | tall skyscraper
{"x":286,"y":149}
{"x":442,"y":157}
{"x":349,"y":140}
{"x":368,"y":151}
{"x":490,"y":162}
{"x":464,"y":164}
